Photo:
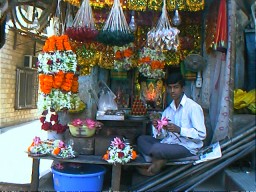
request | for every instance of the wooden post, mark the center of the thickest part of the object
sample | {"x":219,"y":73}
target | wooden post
{"x":35,"y":175}
{"x":116,"y":177}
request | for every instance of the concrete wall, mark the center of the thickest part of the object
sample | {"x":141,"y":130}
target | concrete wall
{"x":11,"y":57}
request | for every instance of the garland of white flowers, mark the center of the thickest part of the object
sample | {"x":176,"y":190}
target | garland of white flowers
{"x":54,"y":62}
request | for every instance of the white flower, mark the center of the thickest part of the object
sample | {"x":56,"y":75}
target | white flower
{"x":57,"y":100}
{"x":56,"y":61}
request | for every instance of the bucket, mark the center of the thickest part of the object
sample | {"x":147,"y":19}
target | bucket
{"x":78,"y":177}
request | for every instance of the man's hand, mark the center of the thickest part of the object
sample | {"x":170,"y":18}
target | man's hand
{"x":154,"y":123}
{"x":172,"y":128}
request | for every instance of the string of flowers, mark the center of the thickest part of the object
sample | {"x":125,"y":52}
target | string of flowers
{"x":66,"y":82}
{"x":151,"y":63}
{"x":124,"y":57}
{"x":65,"y":61}
{"x":57,"y":43}
{"x":119,"y":152}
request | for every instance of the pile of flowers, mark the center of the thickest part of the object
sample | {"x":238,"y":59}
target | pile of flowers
{"x":57,"y":66}
{"x":60,"y":149}
{"x":50,"y":121}
{"x":119,"y":152}
{"x":151,"y":63}
{"x":124,"y":57}
{"x":38,"y":147}
{"x":57,"y":148}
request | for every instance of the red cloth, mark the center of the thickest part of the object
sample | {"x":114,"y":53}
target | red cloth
{"x":220,"y":40}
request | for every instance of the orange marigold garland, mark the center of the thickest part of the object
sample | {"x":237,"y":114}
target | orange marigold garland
{"x":57,"y":43}
{"x":67,"y":83}
{"x":57,"y":66}
{"x":45,"y":82}
{"x":58,"y":79}
{"x":75,"y":84}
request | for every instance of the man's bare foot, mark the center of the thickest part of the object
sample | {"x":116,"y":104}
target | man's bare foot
{"x":156,"y":166}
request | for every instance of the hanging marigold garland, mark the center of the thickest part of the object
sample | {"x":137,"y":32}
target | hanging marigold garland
{"x":57,"y":43}
{"x":58,"y":82}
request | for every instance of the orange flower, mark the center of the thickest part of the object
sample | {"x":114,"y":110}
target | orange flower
{"x":60,"y":43}
{"x":58,"y":79}
{"x":29,"y":148}
{"x":128,"y":52}
{"x":67,"y":46}
{"x":67,"y":83}
{"x":45,"y":83}
{"x":118,"y":55}
{"x":106,"y":156}
{"x":145,"y":59}
{"x":56,"y":151}
{"x":134,"y":154}
{"x":75,"y":84}
{"x":157,"y":65}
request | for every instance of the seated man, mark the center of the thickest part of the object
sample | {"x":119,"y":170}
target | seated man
{"x":183,"y":135}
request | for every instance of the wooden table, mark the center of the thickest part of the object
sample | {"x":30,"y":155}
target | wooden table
{"x":90,"y":159}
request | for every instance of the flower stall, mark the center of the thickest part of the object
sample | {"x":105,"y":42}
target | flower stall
{"x":131,"y":56}
{"x":131,"y":46}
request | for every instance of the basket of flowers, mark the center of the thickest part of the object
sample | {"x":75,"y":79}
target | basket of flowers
{"x":84,"y":127}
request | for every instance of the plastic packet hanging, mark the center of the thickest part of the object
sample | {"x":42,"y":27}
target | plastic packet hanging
{"x":83,"y":28}
{"x":116,"y":31}
{"x":107,"y":101}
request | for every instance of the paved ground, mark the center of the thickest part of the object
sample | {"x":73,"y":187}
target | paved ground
{"x":15,"y":165}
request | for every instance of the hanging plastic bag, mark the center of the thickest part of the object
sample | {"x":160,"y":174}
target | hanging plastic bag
{"x":83,"y":28}
{"x":116,"y":31}
{"x":107,"y":101}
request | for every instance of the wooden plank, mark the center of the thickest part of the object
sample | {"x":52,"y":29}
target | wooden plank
{"x":116,"y":177}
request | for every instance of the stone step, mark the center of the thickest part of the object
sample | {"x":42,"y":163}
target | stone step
{"x":240,"y":179}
